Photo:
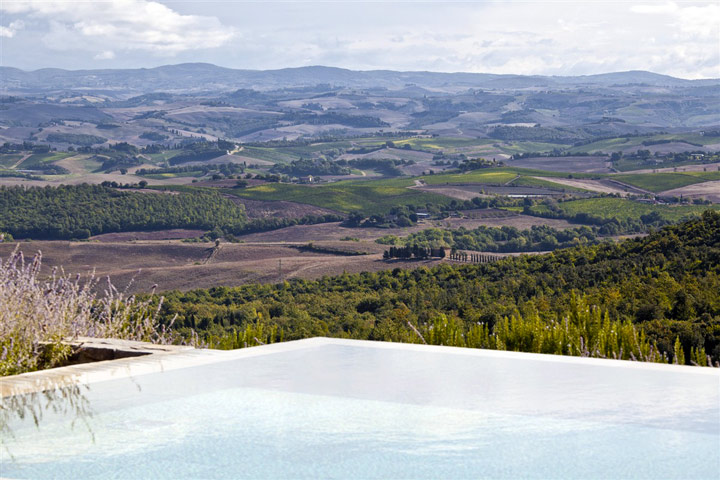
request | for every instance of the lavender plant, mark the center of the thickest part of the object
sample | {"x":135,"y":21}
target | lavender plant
{"x":39,"y":314}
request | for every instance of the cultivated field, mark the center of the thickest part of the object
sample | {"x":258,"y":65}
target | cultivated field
{"x":138,"y":266}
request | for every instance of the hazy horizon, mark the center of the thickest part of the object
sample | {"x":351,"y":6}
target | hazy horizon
{"x":349,"y":69}
{"x":552,"y":38}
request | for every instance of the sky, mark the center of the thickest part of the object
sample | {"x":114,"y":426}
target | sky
{"x":678,"y":38}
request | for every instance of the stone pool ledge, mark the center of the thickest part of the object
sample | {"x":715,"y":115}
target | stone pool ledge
{"x":90,"y":349}
{"x":100,"y":359}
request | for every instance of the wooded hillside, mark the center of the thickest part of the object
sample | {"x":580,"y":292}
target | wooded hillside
{"x":655,"y":298}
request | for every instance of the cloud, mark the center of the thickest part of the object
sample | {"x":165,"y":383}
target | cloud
{"x":106,"y":55}
{"x":667,"y":7}
{"x":11,"y":29}
{"x":127,"y":25}
{"x":548,"y":37}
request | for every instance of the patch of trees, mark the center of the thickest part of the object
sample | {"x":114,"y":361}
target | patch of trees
{"x":414,"y":251}
{"x":656,"y":298}
{"x":80,"y":211}
{"x":357,"y":121}
{"x":223,"y":168}
{"x":385,"y":166}
{"x":81,"y":139}
{"x":312,"y":247}
{"x":198,"y":152}
{"x":526,"y":115}
{"x":499,"y":239}
{"x":476,"y":164}
{"x":118,"y":162}
{"x":16,"y":174}
{"x":154,"y":136}
{"x":364,"y":150}
{"x":605,"y":225}
{"x":316,"y":166}
{"x":397,"y":217}
{"x":537,"y":134}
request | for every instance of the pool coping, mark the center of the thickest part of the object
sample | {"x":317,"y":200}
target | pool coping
{"x":173,"y":359}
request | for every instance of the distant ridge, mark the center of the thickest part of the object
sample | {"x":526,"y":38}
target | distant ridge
{"x":194,"y":77}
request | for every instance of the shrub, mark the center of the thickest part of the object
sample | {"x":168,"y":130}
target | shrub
{"x":38,"y":315}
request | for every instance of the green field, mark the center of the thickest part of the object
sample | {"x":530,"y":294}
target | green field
{"x":489,"y":176}
{"x":38,"y":159}
{"x":624,"y":209}
{"x":160,"y":158}
{"x":536,"y":182}
{"x":447,"y":143}
{"x":367,"y":198}
{"x":7,"y":160}
{"x":660,"y":182}
{"x":164,"y":176}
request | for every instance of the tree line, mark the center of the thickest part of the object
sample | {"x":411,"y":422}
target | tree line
{"x":79,"y":211}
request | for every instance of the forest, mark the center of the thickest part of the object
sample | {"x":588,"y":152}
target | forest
{"x":655,"y":298}
{"x":79,"y":211}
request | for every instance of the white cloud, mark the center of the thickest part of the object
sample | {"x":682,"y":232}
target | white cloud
{"x":128,"y":25}
{"x":11,"y":29}
{"x":106,"y":55}
{"x":667,"y":7}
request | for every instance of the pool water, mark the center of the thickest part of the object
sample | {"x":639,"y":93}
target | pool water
{"x":326,"y":408}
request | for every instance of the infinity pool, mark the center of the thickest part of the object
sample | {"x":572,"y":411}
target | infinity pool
{"x":324,"y":408}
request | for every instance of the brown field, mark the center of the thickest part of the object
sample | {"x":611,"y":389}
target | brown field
{"x":279,"y":209}
{"x":326,"y":232}
{"x":144,"y":259}
{"x":601,"y":186}
{"x":137,"y":267}
{"x":172,"y":234}
{"x":707,"y":190}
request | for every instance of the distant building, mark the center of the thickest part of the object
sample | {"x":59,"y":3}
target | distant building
{"x":307,"y":179}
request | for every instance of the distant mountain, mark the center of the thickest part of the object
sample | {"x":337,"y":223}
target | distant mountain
{"x":198,"y":77}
